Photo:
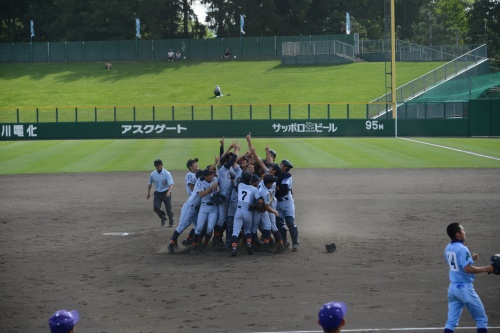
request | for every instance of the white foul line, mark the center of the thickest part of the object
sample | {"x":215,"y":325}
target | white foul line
{"x":459,"y":150}
{"x":389,"y":329}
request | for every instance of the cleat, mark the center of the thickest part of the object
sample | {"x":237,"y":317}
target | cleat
{"x":162,"y":223}
{"x":224,"y":247}
{"x":248,"y":245}
{"x":194,"y":250}
{"x":295,"y":247}
{"x":280,"y":249}
{"x":217,"y":241}
{"x":170,"y":248}
{"x":234,"y":250}
{"x":171,"y":224}
{"x":266,"y":249}
{"x":187,"y":242}
{"x":287,"y":244}
{"x":204,"y":248}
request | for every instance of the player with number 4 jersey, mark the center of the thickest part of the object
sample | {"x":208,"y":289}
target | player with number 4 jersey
{"x":461,"y":291}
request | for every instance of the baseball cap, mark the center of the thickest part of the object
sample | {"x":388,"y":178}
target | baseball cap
{"x":331,"y":314}
{"x":246,"y":177}
{"x":207,"y":172}
{"x":62,"y":321}
{"x":158,"y":162}
{"x":273,"y":153}
{"x":287,"y":164}
{"x":190,"y":162}
{"x":276,"y":168}
{"x":270,"y":179}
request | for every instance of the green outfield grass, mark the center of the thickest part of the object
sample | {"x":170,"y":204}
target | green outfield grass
{"x":185,"y":83}
{"x":137,"y":155}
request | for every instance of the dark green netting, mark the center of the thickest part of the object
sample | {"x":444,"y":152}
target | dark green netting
{"x":462,"y":90}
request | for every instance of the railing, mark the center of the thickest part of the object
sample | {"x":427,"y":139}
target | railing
{"x":407,"y":49}
{"x":292,"y":49}
{"x":160,"y":113}
{"x":186,"y":112}
{"x":428,"y":81}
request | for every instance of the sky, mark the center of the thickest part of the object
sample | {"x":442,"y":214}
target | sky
{"x":199,"y":10}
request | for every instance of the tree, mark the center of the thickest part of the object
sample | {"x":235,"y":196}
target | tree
{"x":484,"y":26}
{"x":14,"y":23}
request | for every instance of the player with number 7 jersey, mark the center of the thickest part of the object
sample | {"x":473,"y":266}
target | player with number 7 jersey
{"x":247,"y":195}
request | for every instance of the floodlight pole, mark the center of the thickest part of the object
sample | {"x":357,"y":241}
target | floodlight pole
{"x":393,"y":70}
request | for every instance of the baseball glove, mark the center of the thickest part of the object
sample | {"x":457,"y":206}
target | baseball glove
{"x":495,"y":262}
{"x":330,"y":247}
{"x":256,"y":207}
{"x":218,"y":198}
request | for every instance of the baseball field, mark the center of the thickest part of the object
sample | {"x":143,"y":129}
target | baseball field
{"x":77,"y":232}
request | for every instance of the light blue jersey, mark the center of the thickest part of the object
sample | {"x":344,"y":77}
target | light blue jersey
{"x":161,"y":180}
{"x":458,"y":256}
{"x":461,"y":291}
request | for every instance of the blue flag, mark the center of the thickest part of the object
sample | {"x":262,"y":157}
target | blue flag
{"x":347,"y":23}
{"x":242,"y":23}
{"x":32,"y":29}
{"x":138,"y":28}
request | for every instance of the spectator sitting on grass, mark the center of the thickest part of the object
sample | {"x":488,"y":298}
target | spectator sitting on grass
{"x":227,"y":54}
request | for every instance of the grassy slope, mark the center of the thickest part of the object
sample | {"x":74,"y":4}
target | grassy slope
{"x":191,"y":82}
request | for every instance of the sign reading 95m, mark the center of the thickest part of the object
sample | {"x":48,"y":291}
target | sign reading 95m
{"x":197,"y":129}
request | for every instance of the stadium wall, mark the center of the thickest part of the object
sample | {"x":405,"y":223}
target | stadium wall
{"x":214,"y":129}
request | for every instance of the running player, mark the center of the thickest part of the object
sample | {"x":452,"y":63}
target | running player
{"x":189,"y":214}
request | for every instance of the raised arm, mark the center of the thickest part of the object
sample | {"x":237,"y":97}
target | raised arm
{"x":259,"y":161}
{"x":221,"y":149}
{"x":269,"y":157}
{"x":249,"y":141}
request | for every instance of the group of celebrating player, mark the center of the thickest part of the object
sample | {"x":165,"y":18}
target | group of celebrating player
{"x":240,"y":195}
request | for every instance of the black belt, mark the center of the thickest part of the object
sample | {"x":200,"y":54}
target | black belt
{"x":281,"y":199}
{"x":209,"y":203}
{"x":239,"y":206}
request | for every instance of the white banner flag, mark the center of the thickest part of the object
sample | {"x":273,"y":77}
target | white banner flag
{"x":138,"y":28}
{"x":347,"y":23}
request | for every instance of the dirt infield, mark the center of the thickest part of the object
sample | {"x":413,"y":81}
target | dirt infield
{"x":62,"y":246}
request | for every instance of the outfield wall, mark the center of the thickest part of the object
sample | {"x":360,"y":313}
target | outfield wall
{"x":233,"y":128}
{"x":482,"y":119}
{"x":141,"y":50}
